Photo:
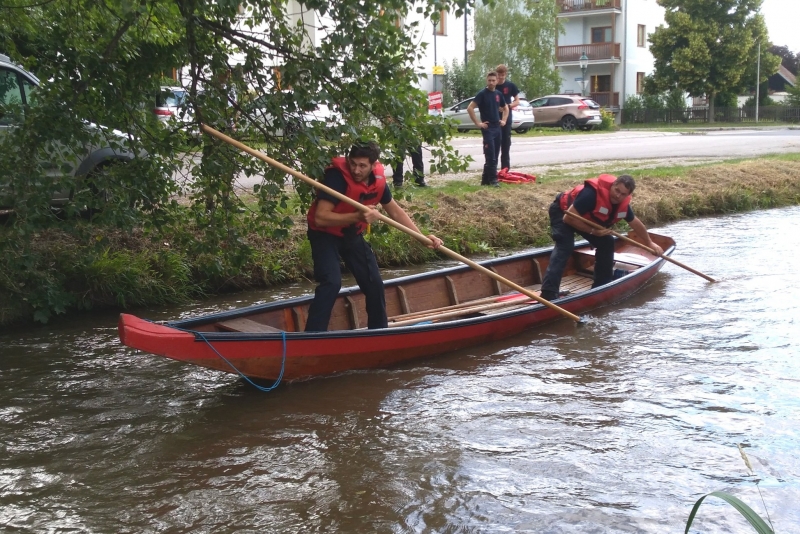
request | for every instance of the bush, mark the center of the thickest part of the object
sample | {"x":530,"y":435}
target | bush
{"x":608,"y":120}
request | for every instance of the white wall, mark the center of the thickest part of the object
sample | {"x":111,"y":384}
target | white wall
{"x":438,"y":48}
{"x":634,"y":58}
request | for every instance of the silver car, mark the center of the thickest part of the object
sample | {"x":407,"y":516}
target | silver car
{"x":17,"y":91}
{"x":522,"y":118}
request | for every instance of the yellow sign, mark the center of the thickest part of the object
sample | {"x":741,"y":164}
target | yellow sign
{"x":438,"y":69}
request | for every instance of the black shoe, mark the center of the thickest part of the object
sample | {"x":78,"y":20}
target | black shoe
{"x":495,"y":184}
{"x":422,"y":184}
{"x":396,"y":185}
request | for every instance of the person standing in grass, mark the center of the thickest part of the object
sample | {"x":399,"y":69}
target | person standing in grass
{"x":336,"y":233}
{"x":510,"y":93}
{"x":490,"y":102}
{"x":604,"y":200}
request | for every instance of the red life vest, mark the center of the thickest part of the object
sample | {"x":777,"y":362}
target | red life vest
{"x":601,"y":214}
{"x":366,"y":193}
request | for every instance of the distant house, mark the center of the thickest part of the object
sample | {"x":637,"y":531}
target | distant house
{"x":778,"y":83}
{"x":782,"y":78}
{"x":613,"y":36}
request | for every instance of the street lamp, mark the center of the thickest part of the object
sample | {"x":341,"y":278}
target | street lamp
{"x":584,"y":63}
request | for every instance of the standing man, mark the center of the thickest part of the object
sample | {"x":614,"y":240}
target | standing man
{"x":489,"y":102}
{"x":416,"y":163}
{"x":511,"y":95}
{"x":604,"y":200}
{"x":335,"y":230}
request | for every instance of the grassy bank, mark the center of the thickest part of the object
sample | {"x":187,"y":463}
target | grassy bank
{"x":134,"y":269}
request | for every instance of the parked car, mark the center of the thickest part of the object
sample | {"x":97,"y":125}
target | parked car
{"x":17,"y":91}
{"x":292,"y":119}
{"x":170,"y":103}
{"x":567,"y":111}
{"x":522,"y":119}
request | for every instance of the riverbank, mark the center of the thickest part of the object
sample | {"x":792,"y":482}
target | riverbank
{"x":120,"y":270}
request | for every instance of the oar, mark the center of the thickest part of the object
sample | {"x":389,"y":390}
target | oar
{"x":451,"y":307}
{"x":387,"y":220}
{"x":463,"y":311}
{"x":636,"y":243}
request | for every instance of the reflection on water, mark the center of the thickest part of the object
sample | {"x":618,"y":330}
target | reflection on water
{"x":615,"y":426}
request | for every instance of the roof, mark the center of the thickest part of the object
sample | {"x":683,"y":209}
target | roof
{"x":784,"y":73}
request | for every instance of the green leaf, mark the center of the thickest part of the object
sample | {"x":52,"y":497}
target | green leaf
{"x":753,"y":518}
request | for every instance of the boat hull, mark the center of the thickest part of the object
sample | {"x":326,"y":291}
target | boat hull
{"x":301,"y":355}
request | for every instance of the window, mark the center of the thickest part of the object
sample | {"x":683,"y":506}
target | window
{"x":601,"y":35}
{"x":641,"y":37}
{"x":440,"y":26}
{"x":639,"y":83}
{"x":11,"y":98}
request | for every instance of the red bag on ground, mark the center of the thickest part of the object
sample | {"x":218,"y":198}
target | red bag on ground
{"x":512,"y":177}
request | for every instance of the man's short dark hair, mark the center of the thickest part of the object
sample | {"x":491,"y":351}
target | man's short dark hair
{"x":365,"y":149}
{"x":627,"y":181}
{"x":491,"y":73}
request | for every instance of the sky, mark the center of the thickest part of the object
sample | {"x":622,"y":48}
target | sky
{"x":783,"y":22}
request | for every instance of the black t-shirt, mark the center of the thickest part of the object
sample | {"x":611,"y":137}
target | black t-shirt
{"x":508,"y":90}
{"x":587,"y":198}
{"x":335,"y":180}
{"x":489,"y":104}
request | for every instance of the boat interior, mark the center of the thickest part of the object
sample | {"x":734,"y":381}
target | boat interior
{"x":446,"y":295}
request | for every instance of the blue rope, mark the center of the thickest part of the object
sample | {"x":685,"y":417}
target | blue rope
{"x":260,"y":388}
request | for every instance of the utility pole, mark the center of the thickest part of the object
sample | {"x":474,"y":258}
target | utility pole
{"x":758,"y":77}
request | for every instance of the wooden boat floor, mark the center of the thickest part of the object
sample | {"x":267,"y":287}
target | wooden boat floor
{"x":574,"y":283}
{"x":243,"y":324}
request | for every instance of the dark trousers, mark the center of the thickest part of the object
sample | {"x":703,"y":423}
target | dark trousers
{"x":491,"y":144}
{"x":326,"y":249}
{"x":416,"y":163}
{"x":504,"y":148}
{"x":564,"y":238}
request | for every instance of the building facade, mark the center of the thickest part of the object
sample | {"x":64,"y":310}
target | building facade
{"x":612,"y":35}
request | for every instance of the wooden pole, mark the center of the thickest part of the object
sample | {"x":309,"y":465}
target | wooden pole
{"x":424,"y":239}
{"x":636,"y":243}
{"x":438,"y":316}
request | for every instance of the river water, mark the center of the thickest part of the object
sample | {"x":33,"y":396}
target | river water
{"x":619,"y":425}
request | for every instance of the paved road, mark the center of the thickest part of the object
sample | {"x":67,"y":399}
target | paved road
{"x":534,"y":151}
{"x":530,"y":154}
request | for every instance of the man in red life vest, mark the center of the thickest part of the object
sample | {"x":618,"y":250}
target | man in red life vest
{"x":604,"y":200}
{"x":335,"y":230}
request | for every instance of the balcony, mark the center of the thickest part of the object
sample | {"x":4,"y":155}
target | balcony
{"x":595,"y":52}
{"x":583,"y":6}
{"x":606,"y":100}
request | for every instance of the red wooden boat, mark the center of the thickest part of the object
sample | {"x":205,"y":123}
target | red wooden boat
{"x":429,"y":314}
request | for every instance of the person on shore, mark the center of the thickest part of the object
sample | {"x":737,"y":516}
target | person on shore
{"x":489,"y":102}
{"x":604,"y":200}
{"x":510,"y":93}
{"x":335,"y":231}
{"x":416,"y":163}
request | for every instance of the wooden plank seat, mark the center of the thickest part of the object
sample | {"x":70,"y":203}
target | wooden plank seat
{"x":243,"y":324}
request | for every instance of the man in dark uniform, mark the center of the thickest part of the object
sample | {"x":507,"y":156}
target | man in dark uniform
{"x":604,"y":200}
{"x":335,"y":230}
{"x":416,"y":163}
{"x":489,"y":102}
{"x":510,"y":93}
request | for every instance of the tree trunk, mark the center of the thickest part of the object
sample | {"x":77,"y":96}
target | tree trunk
{"x":711,"y":107}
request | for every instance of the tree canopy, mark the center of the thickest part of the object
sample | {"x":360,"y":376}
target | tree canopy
{"x":103,"y":63}
{"x":709,"y":47}
{"x":520,"y":34}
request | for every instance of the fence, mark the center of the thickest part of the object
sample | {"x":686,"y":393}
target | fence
{"x":701,"y":114}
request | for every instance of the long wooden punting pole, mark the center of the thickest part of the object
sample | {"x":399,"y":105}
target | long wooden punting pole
{"x":387,"y":220}
{"x":632,"y":242}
